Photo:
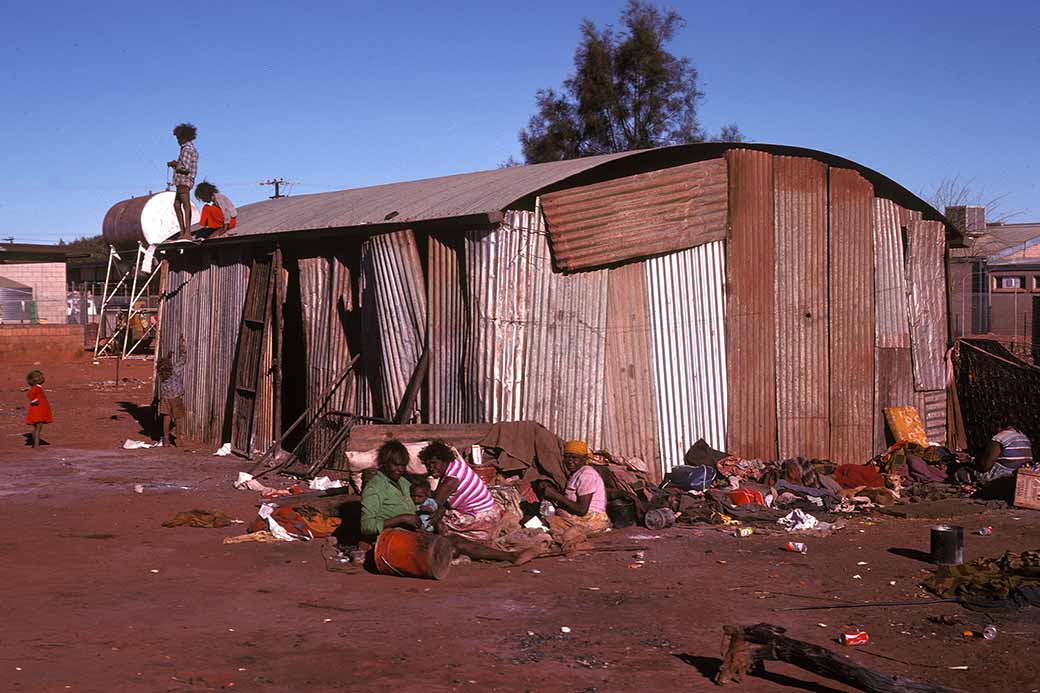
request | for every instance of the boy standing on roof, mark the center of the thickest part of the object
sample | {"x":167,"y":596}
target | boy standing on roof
{"x":184,"y":169}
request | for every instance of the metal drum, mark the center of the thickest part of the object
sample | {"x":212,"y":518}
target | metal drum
{"x":148,"y":219}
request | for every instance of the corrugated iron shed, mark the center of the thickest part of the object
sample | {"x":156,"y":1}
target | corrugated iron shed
{"x":926,"y":272}
{"x":637,"y":216}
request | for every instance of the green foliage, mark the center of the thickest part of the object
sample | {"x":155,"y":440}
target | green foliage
{"x":93,"y":246}
{"x":627,"y":92}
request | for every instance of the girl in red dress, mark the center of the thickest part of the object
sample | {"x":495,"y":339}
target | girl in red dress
{"x":39,"y":408}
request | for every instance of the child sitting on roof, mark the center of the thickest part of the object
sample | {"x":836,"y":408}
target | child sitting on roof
{"x":218,"y":214}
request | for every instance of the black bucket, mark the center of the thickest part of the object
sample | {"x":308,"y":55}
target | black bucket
{"x":947,"y":545}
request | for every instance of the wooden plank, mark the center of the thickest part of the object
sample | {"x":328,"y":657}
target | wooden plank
{"x":257,"y":304}
{"x":460,"y":435}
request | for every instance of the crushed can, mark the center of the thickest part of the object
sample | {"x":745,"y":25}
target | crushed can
{"x":989,"y":632}
{"x":796,"y":547}
{"x":744,"y":532}
{"x":854,"y":638}
{"x":985,"y":531}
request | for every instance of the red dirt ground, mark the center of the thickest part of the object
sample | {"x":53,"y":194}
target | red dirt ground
{"x":98,"y":596}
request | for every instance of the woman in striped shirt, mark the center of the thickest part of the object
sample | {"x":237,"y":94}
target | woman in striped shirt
{"x":466,"y":513}
{"x":1008,"y":450}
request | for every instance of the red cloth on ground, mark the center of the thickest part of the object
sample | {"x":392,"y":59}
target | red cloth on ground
{"x":41,"y":411}
{"x":853,"y":475}
{"x":212,"y":217}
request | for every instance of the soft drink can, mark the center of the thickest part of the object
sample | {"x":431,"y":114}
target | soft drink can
{"x":989,"y":632}
{"x":796,"y":547}
{"x":858,"y":637}
{"x":744,"y":532}
{"x":986,"y":531}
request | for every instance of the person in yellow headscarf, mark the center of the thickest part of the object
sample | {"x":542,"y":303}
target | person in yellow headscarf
{"x":583,"y":503}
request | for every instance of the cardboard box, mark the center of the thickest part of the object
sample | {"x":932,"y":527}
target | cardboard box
{"x":1027,"y":489}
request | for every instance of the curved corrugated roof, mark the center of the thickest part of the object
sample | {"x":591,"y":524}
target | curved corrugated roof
{"x":490,"y":192}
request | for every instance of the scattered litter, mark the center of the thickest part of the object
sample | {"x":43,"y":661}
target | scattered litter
{"x":223,"y":451}
{"x":154,"y":570}
{"x":565,"y":629}
{"x":892,"y":582}
{"x":797,"y":520}
{"x":141,"y":488}
{"x":592,"y":589}
{"x":960,"y":668}
{"x":324,"y":483}
{"x":129,"y":444}
{"x":534,"y":571}
{"x":854,"y":638}
{"x":796,"y":547}
{"x":643,"y":537}
{"x":985,"y":531}
{"x":536,"y":523}
{"x":821,"y":625}
{"x":263,"y":537}
{"x":862,"y":563}
{"x":327,"y":620}
{"x":744,"y":532}
{"x":720,"y":562}
{"x":635,"y":566}
{"x":857,"y":577}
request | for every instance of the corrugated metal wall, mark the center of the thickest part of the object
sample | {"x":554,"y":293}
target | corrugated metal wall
{"x":750,"y":306}
{"x":205,"y":293}
{"x":891,"y":312}
{"x":635,"y":216}
{"x":566,"y":340}
{"x":630,"y":411}
{"x":395,"y":293}
{"x":802,"y":368}
{"x":926,"y":274}
{"x":498,"y":265}
{"x":851,"y":329}
{"x":327,"y":301}
{"x":687,"y":317}
{"x":446,"y":328}
{"x":932,"y":408}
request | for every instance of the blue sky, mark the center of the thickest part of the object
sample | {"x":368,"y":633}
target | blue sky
{"x":339,"y":95}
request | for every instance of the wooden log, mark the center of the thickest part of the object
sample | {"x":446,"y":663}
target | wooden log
{"x":741,"y":658}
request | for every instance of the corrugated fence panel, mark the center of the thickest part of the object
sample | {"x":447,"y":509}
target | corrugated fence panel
{"x":498,"y":264}
{"x":630,"y":414}
{"x":326,"y":298}
{"x":687,"y":314}
{"x":932,"y":408}
{"x":851,"y":330}
{"x":801,"y":307}
{"x":446,"y":329}
{"x":926,"y":271}
{"x":637,"y":216}
{"x":566,"y":344}
{"x":893,"y":374}
{"x":750,"y":306}
{"x":394,"y":280}
{"x":893,"y":329}
{"x":205,"y":293}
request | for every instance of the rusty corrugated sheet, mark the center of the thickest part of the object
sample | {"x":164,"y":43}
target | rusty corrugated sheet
{"x":687,"y":316}
{"x":801,"y":307}
{"x":926,"y":275}
{"x":630,"y":412}
{"x":327,"y":299}
{"x":204,"y":300}
{"x":637,"y":216}
{"x":893,"y":374}
{"x":565,"y":350}
{"x":890,"y":289}
{"x":446,"y":330}
{"x":931,"y":406}
{"x":395,"y":292}
{"x":851,"y":329}
{"x":750,"y":306}
{"x":498,"y":267}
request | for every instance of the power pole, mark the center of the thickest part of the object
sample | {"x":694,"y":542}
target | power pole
{"x":277,"y":183}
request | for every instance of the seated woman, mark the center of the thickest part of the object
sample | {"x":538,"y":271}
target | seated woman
{"x":584,"y":502}
{"x":1008,"y":450}
{"x":386,"y":499}
{"x":466,"y":513}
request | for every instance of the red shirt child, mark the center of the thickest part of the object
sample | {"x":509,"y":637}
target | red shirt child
{"x":39,"y":408}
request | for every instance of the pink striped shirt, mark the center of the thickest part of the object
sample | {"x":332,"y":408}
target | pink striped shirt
{"x":472,"y":496}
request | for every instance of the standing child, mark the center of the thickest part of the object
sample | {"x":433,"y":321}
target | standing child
{"x":39,"y":408}
{"x":185,"y":166}
{"x":171,"y":390}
